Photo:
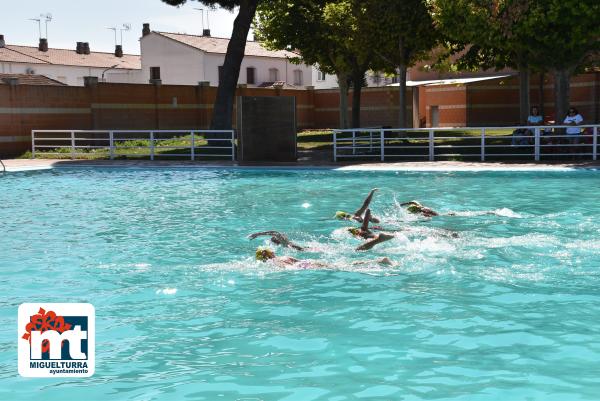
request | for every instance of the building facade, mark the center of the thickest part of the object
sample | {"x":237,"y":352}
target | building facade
{"x":181,"y":59}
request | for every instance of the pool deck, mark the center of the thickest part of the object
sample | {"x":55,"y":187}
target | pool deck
{"x":13,"y":165}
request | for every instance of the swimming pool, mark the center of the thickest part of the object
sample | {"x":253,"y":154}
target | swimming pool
{"x":508,"y":310}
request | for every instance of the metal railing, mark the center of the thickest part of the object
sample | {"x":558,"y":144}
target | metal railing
{"x":192,"y":144}
{"x":430,"y":143}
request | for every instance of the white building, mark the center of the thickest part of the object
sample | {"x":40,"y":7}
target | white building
{"x":181,"y":59}
{"x":69,"y":66}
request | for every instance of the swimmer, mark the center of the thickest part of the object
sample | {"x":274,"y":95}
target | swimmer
{"x":341,"y":215}
{"x":378,"y":239}
{"x":279,"y":239}
{"x":363,"y":231}
{"x":265,"y":254}
{"x":385,"y":261}
{"x":415,"y":207}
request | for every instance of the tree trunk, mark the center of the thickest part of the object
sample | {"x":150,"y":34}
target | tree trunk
{"x":541,"y":94}
{"x":523,"y":94}
{"x":402,"y":97}
{"x":357,"y":84}
{"x":561,"y":93}
{"x":343,"y":91}
{"x":223,"y":106}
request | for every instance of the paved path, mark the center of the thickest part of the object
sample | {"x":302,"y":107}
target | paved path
{"x":38,"y":164}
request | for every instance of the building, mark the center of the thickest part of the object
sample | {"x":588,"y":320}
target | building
{"x":181,"y":59}
{"x":69,"y":66}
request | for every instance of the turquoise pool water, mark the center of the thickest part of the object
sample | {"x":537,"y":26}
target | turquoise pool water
{"x":509,"y":310}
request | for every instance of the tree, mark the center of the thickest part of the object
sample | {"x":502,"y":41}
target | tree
{"x":223,"y":106}
{"x":402,"y":33}
{"x":527,"y":35}
{"x":329,"y":34}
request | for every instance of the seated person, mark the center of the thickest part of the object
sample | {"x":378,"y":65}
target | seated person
{"x":519,"y":135}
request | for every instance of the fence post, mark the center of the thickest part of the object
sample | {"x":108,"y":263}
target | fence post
{"x":353,"y":142}
{"x":431,"y":145}
{"x":72,"y":145}
{"x":111,"y":144}
{"x":335,"y":146}
{"x":370,"y":141}
{"x":232,"y":145}
{"x":151,"y":145}
{"x":595,"y":143}
{"x":192,"y":149}
{"x":382,"y":143}
{"x":483,"y":144}
{"x":32,"y":144}
{"x":537,"y":144}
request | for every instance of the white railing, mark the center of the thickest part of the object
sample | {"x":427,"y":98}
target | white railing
{"x":431,"y":143}
{"x":193,"y":144}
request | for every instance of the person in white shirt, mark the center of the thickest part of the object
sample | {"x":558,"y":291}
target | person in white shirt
{"x":573,"y":118}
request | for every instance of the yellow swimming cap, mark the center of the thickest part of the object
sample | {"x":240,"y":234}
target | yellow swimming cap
{"x":263,"y":254}
{"x":340,"y":215}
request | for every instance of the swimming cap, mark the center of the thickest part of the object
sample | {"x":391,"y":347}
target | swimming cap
{"x":414,"y":209}
{"x":354,"y":230}
{"x":340,"y":215}
{"x":263,"y":254}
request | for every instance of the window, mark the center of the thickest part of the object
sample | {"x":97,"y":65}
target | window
{"x":273,"y":74}
{"x":220,"y":73}
{"x":320,"y":76}
{"x":251,"y":75}
{"x":155,"y":73}
{"x":298,"y":77}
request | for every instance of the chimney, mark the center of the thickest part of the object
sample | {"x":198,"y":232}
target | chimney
{"x":43,"y":46}
{"x":206,"y":32}
{"x":146,"y":29}
{"x":2,"y":42}
{"x":79,"y":48}
{"x":119,"y":51}
{"x":86,"y":48}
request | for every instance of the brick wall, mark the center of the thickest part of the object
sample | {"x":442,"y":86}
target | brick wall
{"x":128,"y":106}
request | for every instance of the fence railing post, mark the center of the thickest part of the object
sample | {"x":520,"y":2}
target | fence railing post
{"x":232,"y":145}
{"x":537,"y":144}
{"x":32,"y":144}
{"x":595,"y":143}
{"x":111,"y":144}
{"x":151,"y":145}
{"x":334,"y":146}
{"x":382,"y":144}
{"x":431,"y":145}
{"x":483,"y":144}
{"x":193,"y":146}
{"x":72,"y":145}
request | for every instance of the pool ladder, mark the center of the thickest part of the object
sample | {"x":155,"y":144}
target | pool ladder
{"x":3,"y":167}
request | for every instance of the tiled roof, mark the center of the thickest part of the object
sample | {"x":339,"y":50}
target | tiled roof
{"x":211,"y":44}
{"x":28,"y":54}
{"x":29,"y":79}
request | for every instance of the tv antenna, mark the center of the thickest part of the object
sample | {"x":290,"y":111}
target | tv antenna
{"x":39,"y":21}
{"x":126,"y":27}
{"x":201,"y":16}
{"x":47,"y":18}
{"x":114,"y":29}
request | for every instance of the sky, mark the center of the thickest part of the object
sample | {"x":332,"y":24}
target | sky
{"x":87,"y":21}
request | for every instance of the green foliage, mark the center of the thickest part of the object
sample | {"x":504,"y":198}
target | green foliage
{"x":536,"y":34}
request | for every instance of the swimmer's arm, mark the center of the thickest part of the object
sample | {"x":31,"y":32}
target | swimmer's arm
{"x":366,"y":203}
{"x":262,"y":233}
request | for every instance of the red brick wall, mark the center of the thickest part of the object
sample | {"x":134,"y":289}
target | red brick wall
{"x":126,"y":106}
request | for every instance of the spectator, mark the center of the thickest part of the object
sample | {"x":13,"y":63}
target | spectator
{"x":520,"y":135}
{"x":573,"y":118}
